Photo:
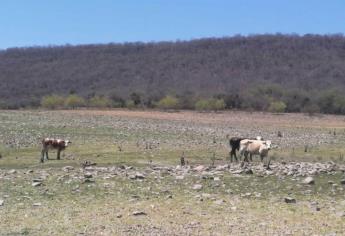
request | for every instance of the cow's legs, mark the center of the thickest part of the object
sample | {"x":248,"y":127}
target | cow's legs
{"x":233,"y":154}
{"x":47,"y":154}
{"x":251,"y":157}
{"x":42,"y":155}
{"x":245,"y":157}
{"x":58,"y":154}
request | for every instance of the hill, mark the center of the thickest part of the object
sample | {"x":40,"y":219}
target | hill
{"x":290,"y":68}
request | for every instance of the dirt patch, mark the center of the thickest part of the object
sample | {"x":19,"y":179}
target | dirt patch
{"x":227,"y":117}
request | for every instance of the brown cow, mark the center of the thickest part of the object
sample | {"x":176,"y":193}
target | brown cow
{"x":49,"y":143}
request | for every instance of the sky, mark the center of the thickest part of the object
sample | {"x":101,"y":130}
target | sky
{"x":25,"y":23}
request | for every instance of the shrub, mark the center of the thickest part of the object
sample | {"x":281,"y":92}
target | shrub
{"x":202,"y":105}
{"x":168,"y":102}
{"x":277,"y":107}
{"x":130,"y":104}
{"x":52,"y":101}
{"x":73,"y":101}
{"x":210,"y":104}
{"x":217,"y":104}
{"x":100,"y":102}
{"x":3,"y":105}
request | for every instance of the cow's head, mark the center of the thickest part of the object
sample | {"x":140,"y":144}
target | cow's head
{"x":67,"y":142}
{"x":268,"y":144}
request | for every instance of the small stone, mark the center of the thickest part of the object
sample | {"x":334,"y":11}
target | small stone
{"x":37,"y":204}
{"x":139,"y":213}
{"x":38,"y":180}
{"x":289,"y":200}
{"x":341,"y":214}
{"x":36,"y":184}
{"x":309,"y":180}
{"x":179,"y":177}
{"x":342,"y":181}
{"x":88,"y":175}
{"x":219,"y":202}
{"x":199,"y":168}
{"x":67,"y":168}
{"x":216,"y":179}
{"x":88,"y":181}
{"x":222,"y":167}
{"x":118,"y":216}
{"x":12,"y":171}
{"x":1,"y":202}
{"x":139,"y":176}
{"x":248,"y":171}
{"x":197,"y":187}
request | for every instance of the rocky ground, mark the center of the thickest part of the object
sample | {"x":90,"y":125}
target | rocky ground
{"x":121,"y":175}
{"x":175,"y":200}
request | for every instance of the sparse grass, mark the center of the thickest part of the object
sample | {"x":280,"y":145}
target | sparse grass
{"x":252,"y":205}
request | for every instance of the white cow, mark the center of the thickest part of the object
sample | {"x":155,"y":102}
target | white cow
{"x":254,"y":147}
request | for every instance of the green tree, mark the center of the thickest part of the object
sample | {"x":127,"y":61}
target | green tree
{"x":217,"y":104}
{"x":52,"y":101}
{"x":100,"y":102}
{"x":73,"y":101}
{"x":168,"y":102}
{"x":202,"y":105}
{"x":277,"y":107}
{"x":130,"y":104}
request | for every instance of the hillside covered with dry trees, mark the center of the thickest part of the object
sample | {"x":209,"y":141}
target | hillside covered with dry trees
{"x":295,"y":73}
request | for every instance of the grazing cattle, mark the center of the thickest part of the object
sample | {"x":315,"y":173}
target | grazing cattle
{"x":254,"y":147}
{"x":49,"y":143}
{"x":234,"y":143}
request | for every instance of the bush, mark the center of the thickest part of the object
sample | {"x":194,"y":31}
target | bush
{"x":277,"y":107}
{"x":218,"y":104}
{"x":210,"y":104}
{"x":3,"y":105}
{"x":130,"y":104}
{"x":52,"y":101}
{"x":100,"y":102}
{"x":168,"y":102}
{"x":73,"y":101}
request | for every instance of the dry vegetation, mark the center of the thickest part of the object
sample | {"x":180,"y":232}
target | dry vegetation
{"x":137,"y":187}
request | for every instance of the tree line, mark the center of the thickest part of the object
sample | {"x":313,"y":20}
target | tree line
{"x":288,"y":73}
{"x":271,"y":98}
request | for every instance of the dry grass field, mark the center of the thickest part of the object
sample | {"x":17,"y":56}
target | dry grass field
{"x":137,"y":187}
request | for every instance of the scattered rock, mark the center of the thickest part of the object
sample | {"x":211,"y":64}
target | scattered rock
{"x":248,"y":171}
{"x":179,"y":177}
{"x":12,"y":171}
{"x":309,"y":180}
{"x":139,"y":176}
{"x":37,"y":204}
{"x":197,"y":187}
{"x":88,"y":180}
{"x":139,"y":213}
{"x":289,"y":200}
{"x":222,"y":167}
{"x":118,"y":216}
{"x":219,"y":202}
{"x":88,"y":175}
{"x":68,"y":168}
{"x":342,"y":181}
{"x":38,"y":180}
{"x":341,"y":214}
{"x":199,"y":168}
{"x":36,"y":184}
{"x":1,"y":202}
{"x":216,"y":179}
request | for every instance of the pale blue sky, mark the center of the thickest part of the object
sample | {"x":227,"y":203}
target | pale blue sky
{"x":58,"y":22}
